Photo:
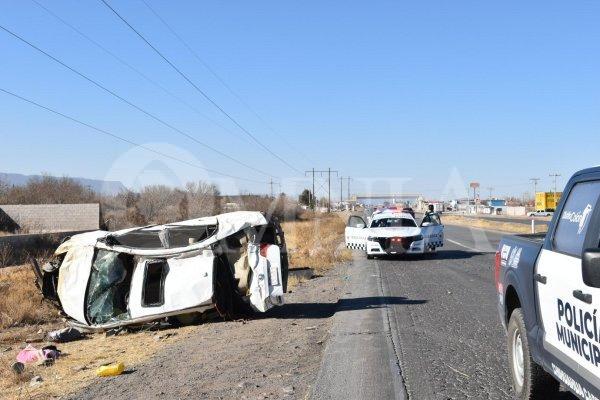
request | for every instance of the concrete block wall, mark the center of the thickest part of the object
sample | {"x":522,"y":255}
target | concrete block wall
{"x":16,"y":249}
{"x":43,"y":218}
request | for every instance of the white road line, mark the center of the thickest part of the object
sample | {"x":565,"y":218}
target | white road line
{"x":466,"y":247}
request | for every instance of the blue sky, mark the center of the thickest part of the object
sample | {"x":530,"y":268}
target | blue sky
{"x":413,"y":94}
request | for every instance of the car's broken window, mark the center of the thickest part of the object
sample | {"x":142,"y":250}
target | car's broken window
{"x":153,"y":293}
{"x":108,"y":290}
{"x":235,"y":250}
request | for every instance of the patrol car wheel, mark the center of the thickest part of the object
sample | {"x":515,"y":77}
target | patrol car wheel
{"x":530,"y":381}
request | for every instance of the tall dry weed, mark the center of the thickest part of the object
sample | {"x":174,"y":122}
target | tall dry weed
{"x":316,"y":241}
{"x":20,"y":300}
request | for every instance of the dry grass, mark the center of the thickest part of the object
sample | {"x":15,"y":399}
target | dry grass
{"x":316,"y":241}
{"x":487,"y":223}
{"x":21,"y":301}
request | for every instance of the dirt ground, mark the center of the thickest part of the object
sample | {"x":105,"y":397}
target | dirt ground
{"x":275,"y":355}
{"x":272,"y":357}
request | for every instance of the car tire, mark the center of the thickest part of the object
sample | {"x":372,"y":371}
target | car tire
{"x":370,"y":256}
{"x":530,"y":381}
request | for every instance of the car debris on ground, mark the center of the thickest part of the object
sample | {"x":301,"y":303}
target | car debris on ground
{"x":32,"y":355}
{"x":65,"y":335}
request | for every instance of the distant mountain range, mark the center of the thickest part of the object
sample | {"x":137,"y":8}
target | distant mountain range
{"x":97,"y":185}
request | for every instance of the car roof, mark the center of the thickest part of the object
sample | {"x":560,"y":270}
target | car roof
{"x":591,"y":170}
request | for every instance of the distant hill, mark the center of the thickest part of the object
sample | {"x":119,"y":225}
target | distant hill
{"x":98,"y":186}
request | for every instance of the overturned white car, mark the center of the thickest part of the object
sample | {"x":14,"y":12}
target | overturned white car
{"x":229,"y":262}
{"x":391,"y":233}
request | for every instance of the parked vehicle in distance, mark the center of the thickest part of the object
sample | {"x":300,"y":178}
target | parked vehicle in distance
{"x":392,"y":233}
{"x":232,"y":262}
{"x":540,"y":214}
{"x":409,"y":210}
{"x":549,"y":293}
{"x":547,"y":201}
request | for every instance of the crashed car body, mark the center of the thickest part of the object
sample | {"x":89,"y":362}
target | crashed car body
{"x":108,"y":279}
{"x":395,"y":233}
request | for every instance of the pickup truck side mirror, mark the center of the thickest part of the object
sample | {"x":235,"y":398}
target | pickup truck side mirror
{"x":590,"y":267}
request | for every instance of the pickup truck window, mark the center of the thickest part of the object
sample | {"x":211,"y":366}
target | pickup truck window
{"x":575,"y":218}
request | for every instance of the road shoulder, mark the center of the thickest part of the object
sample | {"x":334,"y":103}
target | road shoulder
{"x":360,"y":360}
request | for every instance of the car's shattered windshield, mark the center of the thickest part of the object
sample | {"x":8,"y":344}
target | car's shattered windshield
{"x":109,"y":286}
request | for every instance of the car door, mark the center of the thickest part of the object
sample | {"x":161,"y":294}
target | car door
{"x":566,"y":305}
{"x":432,"y":230}
{"x":161,"y":286}
{"x":356,"y":233}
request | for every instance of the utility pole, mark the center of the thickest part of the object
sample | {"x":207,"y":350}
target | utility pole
{"x":490,"y":189}
{"x":349,"y":179}
{"x":311,"y":198}
{"x":322,"y":174}
{"x":271,"y":184}
{"x":329,"y":190}
{"x":535,"y":182}
{"x":341,"y":189}
{"x":555,"y":175}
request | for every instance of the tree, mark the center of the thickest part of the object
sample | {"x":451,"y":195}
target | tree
{"x":184,"y":205}
{"x":203,"y":199}
{"x":305,"y":197}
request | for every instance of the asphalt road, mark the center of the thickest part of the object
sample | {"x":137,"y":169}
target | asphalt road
{"x":433,"y":333}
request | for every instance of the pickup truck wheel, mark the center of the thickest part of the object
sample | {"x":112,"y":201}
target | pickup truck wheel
{"x":530,"y":381}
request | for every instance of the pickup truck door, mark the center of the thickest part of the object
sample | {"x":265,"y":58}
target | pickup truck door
{"x":356,"y":233}
{"x":571,"y":328}
{"x":432,"y":230}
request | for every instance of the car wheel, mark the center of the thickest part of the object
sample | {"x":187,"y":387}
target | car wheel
{"x":370,"y":256}
{"x":530,"y":381}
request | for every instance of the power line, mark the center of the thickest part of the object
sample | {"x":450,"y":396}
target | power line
{"x":134,"y":69}
{"x":221,"y":80}
{"x":115,"y":136}
{"x":97,"y":84}
{"x":206,"y":96}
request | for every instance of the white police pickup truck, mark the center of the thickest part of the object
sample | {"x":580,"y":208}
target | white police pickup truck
{"x":549,"y":297}
{"x":393,"y":233}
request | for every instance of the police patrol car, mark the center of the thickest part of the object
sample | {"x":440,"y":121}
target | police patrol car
{"x":548,"y":289}
{"x":391,"y":233}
